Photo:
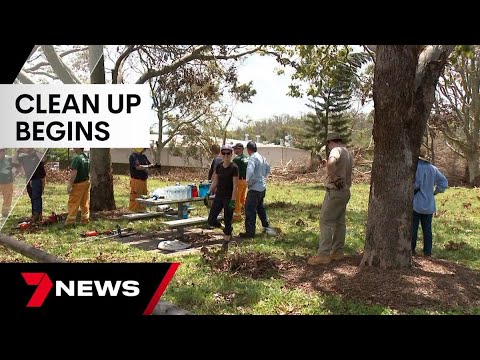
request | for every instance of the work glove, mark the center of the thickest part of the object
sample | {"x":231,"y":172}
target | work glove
{"x":205,"y":199}
{"x":231,"y":205}
{"x":339,"y":183}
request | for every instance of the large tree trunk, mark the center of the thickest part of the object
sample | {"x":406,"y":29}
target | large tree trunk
{"x":473,"y":167}
{"x":101,"y":192}
{"x":403,"y":92}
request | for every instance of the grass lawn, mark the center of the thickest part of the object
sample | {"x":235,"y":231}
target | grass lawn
{"x":294,"y":209}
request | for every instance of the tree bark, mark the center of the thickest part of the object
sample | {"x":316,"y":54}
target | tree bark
{"x":403,"y":93}
{"x":101,"y":191}
{"x":473,"y":167}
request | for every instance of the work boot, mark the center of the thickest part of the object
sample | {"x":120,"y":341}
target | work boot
{"x":319,"y":260}
{"x":226,"y":241}
{"x":37,"y":217}
{"x":246,"y":235}
{"x":338,"y":255}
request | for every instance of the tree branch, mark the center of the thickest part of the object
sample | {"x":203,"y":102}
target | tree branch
{"x":117,"y":76}
{"x":226,"y":57}
{"x":23,"y":78}
{"x":58,"y":66}
{"x":44,"y":73}
{"x":455,"y":150}
{"x":45,"y":63}
{"x":432,"y":53}
{"x":172,"y":67}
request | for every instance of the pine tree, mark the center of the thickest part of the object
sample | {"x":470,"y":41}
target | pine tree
{"x":331,"y":102}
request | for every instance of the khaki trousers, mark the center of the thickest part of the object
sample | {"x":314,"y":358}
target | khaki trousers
{"x":7,"y":192}
{"x":79,"y":197}
{"x":240,"y":200}
{"x":332,"y":222}
{"x":137,"y":189}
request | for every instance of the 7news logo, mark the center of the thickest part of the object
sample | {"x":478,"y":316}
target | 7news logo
{"x":128,"y":288}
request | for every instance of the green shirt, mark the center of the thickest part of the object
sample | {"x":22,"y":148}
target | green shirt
{"x":6,"y":166}
{"x":242,"y":162}
{"x":81,"y":163}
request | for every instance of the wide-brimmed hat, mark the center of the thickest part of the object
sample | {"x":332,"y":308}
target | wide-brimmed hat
{"x":334,"y":136}
{"x":423,"y":154}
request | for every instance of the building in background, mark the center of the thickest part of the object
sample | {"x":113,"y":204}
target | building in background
{"x":277,"y":155}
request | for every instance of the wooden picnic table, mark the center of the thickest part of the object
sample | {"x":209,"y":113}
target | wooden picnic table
{"x":180,"y":202}
{"x":180,"y":223}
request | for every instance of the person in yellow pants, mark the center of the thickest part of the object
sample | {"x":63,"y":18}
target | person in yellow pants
{"x":241,"y":160}
{"x":139,"y":164}
{"x":79,"y":188}
{"x":6,"y":181}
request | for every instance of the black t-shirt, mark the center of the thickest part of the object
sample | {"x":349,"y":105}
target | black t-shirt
{"x":32,"y":166}
{"x":225,"y":179}
{"x":138,"y":159}
{"x":213,"y":166}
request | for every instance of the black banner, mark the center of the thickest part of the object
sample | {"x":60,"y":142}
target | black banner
{"x":121,"y":289}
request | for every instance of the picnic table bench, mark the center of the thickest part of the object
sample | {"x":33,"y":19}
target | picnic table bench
{"x":183,"y":223}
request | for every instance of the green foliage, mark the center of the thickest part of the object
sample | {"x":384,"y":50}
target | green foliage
{"x":57,"y":154}
{"x":331,"y":74}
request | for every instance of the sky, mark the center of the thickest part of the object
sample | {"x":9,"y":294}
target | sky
{"x":271,"y":98}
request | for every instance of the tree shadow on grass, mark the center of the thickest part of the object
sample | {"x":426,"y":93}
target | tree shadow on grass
{"x":431,"y":284}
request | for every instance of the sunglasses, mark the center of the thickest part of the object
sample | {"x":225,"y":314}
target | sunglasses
{"x":226,"y":153}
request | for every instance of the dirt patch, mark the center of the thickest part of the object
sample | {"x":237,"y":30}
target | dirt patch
{"x":110,"y":214}
{"x":251,"y":264}
{"x":431,"y":283}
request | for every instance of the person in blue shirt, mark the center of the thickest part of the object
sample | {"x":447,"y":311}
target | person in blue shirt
{"x":258,"y":169}
{"x":429,"y":181}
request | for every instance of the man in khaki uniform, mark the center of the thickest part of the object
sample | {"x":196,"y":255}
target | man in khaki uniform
{"x":79,"y":188}
{"x":332,"y":215}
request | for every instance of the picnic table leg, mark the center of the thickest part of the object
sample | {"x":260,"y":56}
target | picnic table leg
{"x":181,"y":232}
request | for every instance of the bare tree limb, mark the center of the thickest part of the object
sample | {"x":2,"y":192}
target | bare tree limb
{"x":455,"y":150}
{"x":23,"y":78}
{"x":44,"y":73}
{"x":117,"y":76}
{"x":59,"y":67}
{"x":46,"y":63}
{"x":432,"y":53}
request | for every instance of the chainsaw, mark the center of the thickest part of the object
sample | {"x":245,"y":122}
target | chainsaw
{"x":51,"y":219}
{"x":109,"y":233}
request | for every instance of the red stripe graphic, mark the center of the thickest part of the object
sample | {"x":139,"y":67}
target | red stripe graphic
{"x":44,"y":286}
{"x":161,"y":288}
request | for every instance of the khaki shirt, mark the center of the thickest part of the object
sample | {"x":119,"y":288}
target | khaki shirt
{"x":344,"y":166}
